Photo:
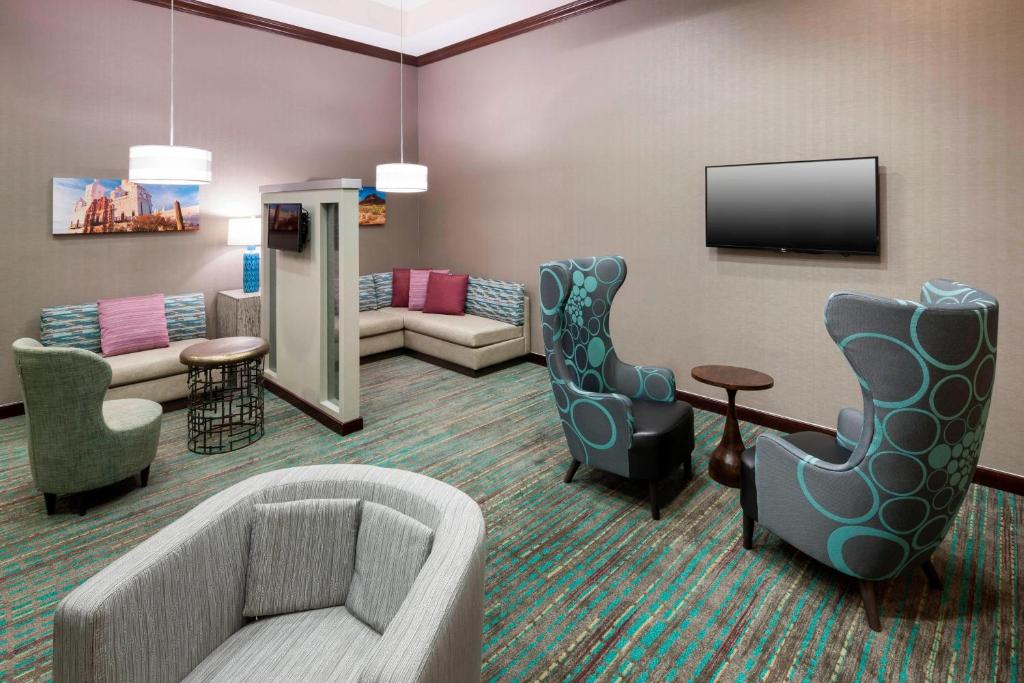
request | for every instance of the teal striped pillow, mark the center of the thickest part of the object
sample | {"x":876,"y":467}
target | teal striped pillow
{"x":367,"y":293}
{"x":382,"y":283}
{"x":496,"y":300}
{"x":186,"y":316}
{"x":78,"y":326}
{"x":75,"y":326}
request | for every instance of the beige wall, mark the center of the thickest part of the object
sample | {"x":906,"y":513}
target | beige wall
{"x":591,"y":136}
{"x":84,"y":80}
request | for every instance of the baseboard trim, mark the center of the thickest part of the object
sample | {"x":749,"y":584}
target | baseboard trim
{"x":985,"y":476}
{"x":342,"y":427}
{"x":12,"y":409}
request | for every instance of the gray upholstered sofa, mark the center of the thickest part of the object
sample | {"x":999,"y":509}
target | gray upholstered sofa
{"x":156,"y":374}
{"x":496,"y":327}
{"x":174,"y":607}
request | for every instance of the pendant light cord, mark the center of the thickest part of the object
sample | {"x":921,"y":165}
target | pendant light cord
{"x":401,"y":81}
{"x":172,"y":73}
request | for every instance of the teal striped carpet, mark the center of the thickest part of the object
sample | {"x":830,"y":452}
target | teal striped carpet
{"x":581,"y":583}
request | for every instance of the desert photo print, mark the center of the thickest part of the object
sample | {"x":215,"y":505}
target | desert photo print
{"x":373,"y":208}
{"x":90,"y":206}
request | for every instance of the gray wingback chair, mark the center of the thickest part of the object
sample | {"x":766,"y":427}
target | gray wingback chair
{"x":174,"y":608}
{"x":877,"y":500}
{"x":617,"y":417}
{"x":76,"y":440}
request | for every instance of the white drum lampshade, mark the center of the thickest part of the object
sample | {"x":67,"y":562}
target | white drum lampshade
{"x":401,"y":178}
{"x":244,"y":232}
{"x":169,"y":165}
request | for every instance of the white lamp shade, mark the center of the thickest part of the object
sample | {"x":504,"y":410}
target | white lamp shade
{"x":244,"y":232}
{"x":169,"y":165}
{"x":401,"y":178}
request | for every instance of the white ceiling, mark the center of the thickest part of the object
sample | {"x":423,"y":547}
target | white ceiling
{"x":429,"y":24}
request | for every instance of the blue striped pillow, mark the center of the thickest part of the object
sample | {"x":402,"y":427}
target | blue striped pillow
{"x":74,"y":326}
{"x":78,"y":326}
{"x":367,"y":293}
{"x":382,"y":283}
{"x":186,"y":316}
{"x":497,"y":300}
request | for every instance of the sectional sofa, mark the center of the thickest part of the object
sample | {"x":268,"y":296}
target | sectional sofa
{"x":495,"y":328}
{"x":156,"y":374}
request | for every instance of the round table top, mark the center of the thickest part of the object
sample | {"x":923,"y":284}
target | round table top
{"x":225,"y":351}
{"x":732,"y":377}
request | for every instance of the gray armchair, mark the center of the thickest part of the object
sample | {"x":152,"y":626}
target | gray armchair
{"x":76,"y":440}
{"x":617,"y":417}
{"x":175,"y":607}
{"x":877,"y":500}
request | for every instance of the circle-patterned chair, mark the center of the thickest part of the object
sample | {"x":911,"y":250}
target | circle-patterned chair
{"x":617,"y":417}
{"x":878,"y":499}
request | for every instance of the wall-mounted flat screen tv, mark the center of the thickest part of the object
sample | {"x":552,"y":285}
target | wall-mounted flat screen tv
{"x":286,"y":227}
{"x":828,"y":206}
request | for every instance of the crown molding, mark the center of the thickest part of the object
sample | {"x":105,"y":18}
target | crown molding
{"x":230,"y":16}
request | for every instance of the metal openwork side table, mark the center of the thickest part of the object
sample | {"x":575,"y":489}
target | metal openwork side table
{"x":225,"y":383}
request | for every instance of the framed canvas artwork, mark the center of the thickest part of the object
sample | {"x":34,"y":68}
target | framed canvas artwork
{"x":373,"y":208}
{"x":95,"y":206}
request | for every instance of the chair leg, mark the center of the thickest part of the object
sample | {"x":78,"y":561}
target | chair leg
{"x":652,"y":487}
{"x":144,"y":477}
{"x":51,"y":502}
{"x":748,"y":532}
{"x":687,"y":468}
{"x":869,"y":595}
{"x":81,"y":505}
{"x":934,"y":581}
{"x":573,"y":466}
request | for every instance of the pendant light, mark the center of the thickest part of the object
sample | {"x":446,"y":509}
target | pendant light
{"x":170,"y":164}
{"x":401,"y":177}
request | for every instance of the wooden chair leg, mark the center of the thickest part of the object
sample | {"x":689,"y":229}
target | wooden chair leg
{"x":144,"y":477}
{"x":748,"y":532}
{"x":51,"y":502}
{"x":869,"y":595}
{"x":934,"y":581}
{"x":573,"y":466}
{"x":652,"y":487}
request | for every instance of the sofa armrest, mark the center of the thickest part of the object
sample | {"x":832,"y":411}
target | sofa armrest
{"x":157,"y":612}
{"x":437,"y":633}
{"x":849,"y":425}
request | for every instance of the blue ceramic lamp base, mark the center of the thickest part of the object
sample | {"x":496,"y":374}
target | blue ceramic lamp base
{"x":251,"y":270}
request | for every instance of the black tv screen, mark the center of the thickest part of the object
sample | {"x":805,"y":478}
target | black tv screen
{"x":284,"y":227}
{"x":811,"y":206}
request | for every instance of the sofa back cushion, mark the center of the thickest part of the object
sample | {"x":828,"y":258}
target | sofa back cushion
{"x":390,"y":552}
{"x":130,"y":324}
{"x":301,"y":555}
{"x":497,"y":300}
{"x":382,"y":284}
{"x":78,"y":326}
{"x":367,"y":293}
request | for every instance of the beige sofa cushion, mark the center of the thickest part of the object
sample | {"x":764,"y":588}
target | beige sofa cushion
{"x":378,"y":322}
{"x":142,"y":366}
{"x":465,"y":330}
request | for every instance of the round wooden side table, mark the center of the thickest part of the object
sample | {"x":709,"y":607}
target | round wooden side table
{"x":724,"y":464}
{"x":225,"y":384}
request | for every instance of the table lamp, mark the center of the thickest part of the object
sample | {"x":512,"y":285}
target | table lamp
{"x":245,"y":232}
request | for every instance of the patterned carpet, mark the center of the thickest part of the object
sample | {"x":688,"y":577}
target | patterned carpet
{"x":582,"y":584}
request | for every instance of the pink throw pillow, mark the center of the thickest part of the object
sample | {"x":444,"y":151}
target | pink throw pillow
{"x":134,"y":323}
{"x":446,"y":294}
{"x":418,"y":287}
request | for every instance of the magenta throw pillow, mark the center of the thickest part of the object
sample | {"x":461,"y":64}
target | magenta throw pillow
{"x":446,"y":294}
{"x":135,"y":323}
{"x":400,"y":287}
{"x":418,"y":287}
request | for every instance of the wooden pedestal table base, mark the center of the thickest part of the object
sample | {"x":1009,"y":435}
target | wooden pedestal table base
{"x":724,"y":464}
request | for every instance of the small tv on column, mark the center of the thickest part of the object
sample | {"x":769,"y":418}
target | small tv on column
{"x":820,"y":206}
